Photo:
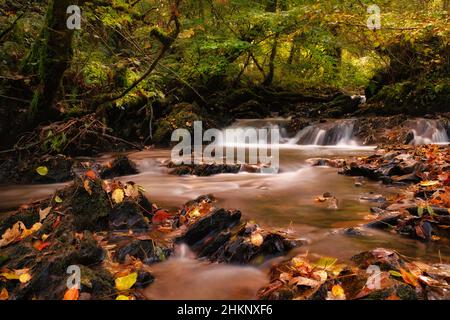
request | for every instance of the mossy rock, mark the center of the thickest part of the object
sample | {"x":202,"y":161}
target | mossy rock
{"x":182,"y":116}
{"x":89,"y":210}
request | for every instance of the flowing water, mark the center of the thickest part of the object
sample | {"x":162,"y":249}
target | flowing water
{"x":285,"y":200}
{"x":427,"y":131}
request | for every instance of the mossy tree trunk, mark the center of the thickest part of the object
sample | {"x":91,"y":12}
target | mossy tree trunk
{"x":53,"y":52}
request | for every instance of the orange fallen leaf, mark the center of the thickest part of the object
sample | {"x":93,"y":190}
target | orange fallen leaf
{"x":40,"y":245}
{"x":337,"y":291}
{"x":160,"y":216}
{"x":91,"y":175}
{"x":4,"y":295}
{"x":71,"y":294}
{"x":409,"y":278}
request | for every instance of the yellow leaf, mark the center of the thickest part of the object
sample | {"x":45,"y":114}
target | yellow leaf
{"x":118,"y":195}
{"x":9,"y":276}
{"x":429,"y":183}
{"x":71,"y":294}
{"x":337,"y":291}
{"x":257,"y":239}
{"x":43,"y":171}
{"x":4,"y":295}
{"x":24,"y":278}
{"x":122,"y":297}
{"x":125,"y":283}
{"x":58,"y":199}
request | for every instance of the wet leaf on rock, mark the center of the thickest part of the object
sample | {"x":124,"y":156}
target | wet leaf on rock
{"x":118,"y":195}
{"x":125,"y":283}
{"x":429,"y":183}
{"x":257,"y":239}
{"x":43,"y":171}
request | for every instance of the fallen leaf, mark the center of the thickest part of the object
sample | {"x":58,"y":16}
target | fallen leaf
{"x":429,"y":183}
{"x":44,"y":213}
{"x":285,"y":277}
{"x":24,"y":278}
{"x":9,"y":276}
{"x":118,"y":195}
{"x":122,"y":297}
{"x":256,"y":239}
{"x":43,"y":171}
{"x":125,"y":283}
{"x":91,"y":175}
{"x":71,"y":294}
{"x":132,"y":191}
{"x":302,"y":281}
{"x":160,"y":216}
{"x":395,"y":273}
{"x":58,"y":199}
{"x":57,"y":222}
{"x":40,"y":245}
{"x":4,"y":295}
{"x":17,"y":232}
{"x":409,"y":278}
{"x":87,"y":186}
{"x":338,"y":291}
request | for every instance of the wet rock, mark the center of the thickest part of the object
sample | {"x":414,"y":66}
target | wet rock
{"x":144,"y":279}
{"x":355,"y":232}
{"x":24,"y":171}
{"x":242,"y":250}
{"x":251,"y":109}
{"x":203,"y":170}
{"x":145,"y":250}
{"x":127,"y":216}
{"x":373,"y":198}
{"x":209,"y":226}
{"x":384,"y":258}
{"x":28,"y":216}
{"x":406,"y":178}
{"x":386,"y":221}
{"x":120,"y":166}
{"x":90,"y":210}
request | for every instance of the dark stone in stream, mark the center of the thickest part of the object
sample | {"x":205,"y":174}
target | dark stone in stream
{"x":210,"y":225}
{"x":127,"y":215}
{"x":386,"y":259}
{"x":144,"y":279}
{"x":145,"y":250}
{"x":355,"y":232}
{"x":202,"y":170}
{"x":120,"y":166}
{"x":386,"y":221}
{"x":90,"y":210}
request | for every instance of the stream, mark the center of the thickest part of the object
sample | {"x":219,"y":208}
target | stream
{"x":285,"y":200}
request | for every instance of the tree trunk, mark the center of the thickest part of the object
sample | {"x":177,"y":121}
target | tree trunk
{"x":269,"y":77}
{"x":292,"y":52}
{"x":54,"y":53}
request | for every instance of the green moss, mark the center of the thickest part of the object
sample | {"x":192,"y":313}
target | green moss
{"x":89,"y":209}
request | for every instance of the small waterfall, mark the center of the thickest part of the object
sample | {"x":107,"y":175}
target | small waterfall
{"x":337,"y":133}
{"x":428,"y":131}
